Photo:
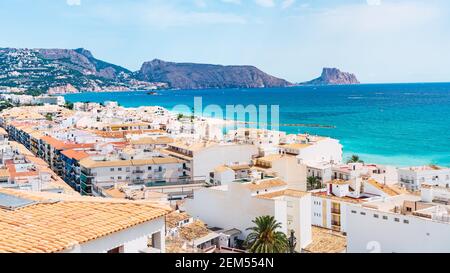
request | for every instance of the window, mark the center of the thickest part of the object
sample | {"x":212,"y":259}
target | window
{"x":363,"y":213}
{"x":385,"y":217}
{"x":375,"y":216}
{"x":396,"y":219}
{"x":128,"y":169}
{"x":119,"y":177}
{"x":119,"y":169}
{"x":112,"y":169}
{"x":112,"y":177}
{"x":353,"y":211}
{"x":150,"y":168}
{"x":406,"y":221}
{"x":408,"y":209}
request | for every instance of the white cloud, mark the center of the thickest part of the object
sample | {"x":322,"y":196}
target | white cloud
{"x":287,"y":3}
{"x":73,"y":2}
{"x":265,"y":3}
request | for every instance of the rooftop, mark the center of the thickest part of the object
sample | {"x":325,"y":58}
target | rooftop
{"x":326,"y":241}
{"x":56,"y":222}
{"x":265,"y":184}
{"x":284,"y":193}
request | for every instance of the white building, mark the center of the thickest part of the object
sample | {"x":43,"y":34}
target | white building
{"x":45,"y":99}
{"x":101,"y":171}
{"x":237,"y":204}
{"x":401,"y":224}
{"x":329,"y":206}
{"x":313,"y":149}
{"x":413,"y":177}
{"x":204,"y":157}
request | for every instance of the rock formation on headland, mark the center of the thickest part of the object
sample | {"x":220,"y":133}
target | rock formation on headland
{"x":200,"y":76}
{"x":331,"y":76}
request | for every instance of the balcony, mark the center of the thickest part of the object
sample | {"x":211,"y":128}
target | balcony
{"x":138,"y":172}
{"x":336,"y":211}
{"x":336,"y":223}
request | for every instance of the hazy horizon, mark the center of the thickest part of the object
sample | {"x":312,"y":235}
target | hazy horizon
{"x":379,"y":41}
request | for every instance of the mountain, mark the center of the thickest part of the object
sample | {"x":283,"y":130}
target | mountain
{"x":332,"y":76}
{"x":200,"y":76}
{"x":62,"y":71}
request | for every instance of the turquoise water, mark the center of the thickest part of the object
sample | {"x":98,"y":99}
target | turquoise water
{"x":399,"y":124}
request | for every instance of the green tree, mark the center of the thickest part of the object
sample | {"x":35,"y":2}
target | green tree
{"x":180,"y":116}
{"x":265,"y":238}
{"x":313,"y":183}
{"x":69,"y":105}
{"x":355,"y":159}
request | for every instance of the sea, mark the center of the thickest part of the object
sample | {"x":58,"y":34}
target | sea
{"x":395,"y":124}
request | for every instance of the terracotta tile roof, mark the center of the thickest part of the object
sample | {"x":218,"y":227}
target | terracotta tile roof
{"x":115,"y":193}
{"x":173,"y":218}
{"x":75,"y":154}
{"x":288,"y":193}
{"x":265,"y":184}
{"x":62,"y":145}
{"x":295,"y":146}
{"x":346,"y":199}
{"x":151,"y":141}
{"x":339,"y":182}
{"x":90,"y":163}
{"x":326,"y":241}
{"x":384,"y":188}
{"x":57,"y":221}
{"x":193,"y":231}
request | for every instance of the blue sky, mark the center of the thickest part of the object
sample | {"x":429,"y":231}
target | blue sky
{"x":379,"y":40}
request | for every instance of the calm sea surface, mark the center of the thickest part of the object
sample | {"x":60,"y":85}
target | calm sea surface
{"x":399,"y":124}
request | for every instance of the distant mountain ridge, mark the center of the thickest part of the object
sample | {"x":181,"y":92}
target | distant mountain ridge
{"x":77,"y":70}
{"x":200,"y":76}
{"x":64,"y":70}
{"x":332,"y":76}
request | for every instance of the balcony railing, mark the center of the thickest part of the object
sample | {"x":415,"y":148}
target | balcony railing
{"x":336,"y":211}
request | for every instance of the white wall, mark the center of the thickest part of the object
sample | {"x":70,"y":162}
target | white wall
{"x":365,"y":233}
{"x":424,"y":176}
{"x":235,"y":208}
{"x":291,"y":172}
{"x":206,"y":160}
{"x":133,"y":239}
{"x":323,"y":151}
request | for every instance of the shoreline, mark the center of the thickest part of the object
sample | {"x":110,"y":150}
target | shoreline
{"x":398,"y":161}
{"x":398,"y":158}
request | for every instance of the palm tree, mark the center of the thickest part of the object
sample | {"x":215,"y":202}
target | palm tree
{"x":313,"y":183}
{"x":265,"y":238}
{"x":355,"y":159}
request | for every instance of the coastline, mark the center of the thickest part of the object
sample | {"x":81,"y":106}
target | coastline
{"x":391,"y":124}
